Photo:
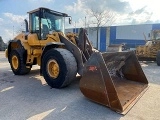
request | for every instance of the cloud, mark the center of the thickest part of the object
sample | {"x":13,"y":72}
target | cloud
{"x":126,"y":12}
{"x":79,"y":8}
{"x":133,"y":18}
{"x":6,"y":34}
{"x":119,"y":6}
{"x":114,"y":5}
{"x":140,"y":16}
{"x":76,"y":7}
{"x":140,"y":11}
{"x":9,"y":33}
{"x":15,"y":18}
{"x":48,"y":0}
{"x":10,"y":24}
{"x":1,"y":20}
{"x":40,"y":1}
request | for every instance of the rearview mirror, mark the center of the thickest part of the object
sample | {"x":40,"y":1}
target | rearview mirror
{"x":149,"y":35}
{"x":70,"y":20}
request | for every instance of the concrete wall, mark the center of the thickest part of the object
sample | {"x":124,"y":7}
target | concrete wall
{"x":130,"y":34}
{"x":133,"y":35}
{"x":92,"y":36}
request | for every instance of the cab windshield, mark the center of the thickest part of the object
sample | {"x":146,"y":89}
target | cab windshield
{"x":52,"y":22}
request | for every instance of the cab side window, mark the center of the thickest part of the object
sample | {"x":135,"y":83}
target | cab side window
{"x":35,"y":23}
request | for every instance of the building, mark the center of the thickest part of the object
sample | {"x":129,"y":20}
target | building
{"x":132,"y":35}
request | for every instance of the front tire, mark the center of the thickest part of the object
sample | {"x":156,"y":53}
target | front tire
{"x":59,"y":67}
{"x":17,"y":62}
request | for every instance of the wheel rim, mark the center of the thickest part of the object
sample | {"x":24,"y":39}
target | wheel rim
{"x":53,"y":68}
{"x":15,"y":62}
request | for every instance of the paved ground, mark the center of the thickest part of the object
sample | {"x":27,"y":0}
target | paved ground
{"x":28,"y":97}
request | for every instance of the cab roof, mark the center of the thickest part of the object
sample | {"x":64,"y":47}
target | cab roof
{"x":47,"y":9}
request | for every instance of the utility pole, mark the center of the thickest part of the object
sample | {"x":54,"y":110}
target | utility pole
{"x":85,"y":22}
{"x":13,"y":31}
{"x":75,"y":27}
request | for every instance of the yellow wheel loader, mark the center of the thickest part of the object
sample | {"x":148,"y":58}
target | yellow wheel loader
{"x":151,"y":50}
{"x":115,"y":80}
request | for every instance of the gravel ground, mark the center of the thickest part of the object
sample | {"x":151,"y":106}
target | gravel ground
{"x":29,"y":97}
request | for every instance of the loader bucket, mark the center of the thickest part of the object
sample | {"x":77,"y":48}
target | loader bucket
{"x":115,"y":80}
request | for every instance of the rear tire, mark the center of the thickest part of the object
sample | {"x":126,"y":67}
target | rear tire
{"x":17,"y":62}
{"x":158,"y":58}
{"x":59,"y":67}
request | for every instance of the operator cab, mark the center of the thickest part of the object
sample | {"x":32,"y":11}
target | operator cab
{"x":44,"y":21}
{"x":157,"y":35}
{"x":154,"y":35}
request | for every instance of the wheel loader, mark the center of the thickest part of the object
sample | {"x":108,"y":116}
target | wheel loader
{"x":151,"y":50}
{"x":115,"y":79}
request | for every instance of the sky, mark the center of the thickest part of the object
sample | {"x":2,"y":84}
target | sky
{"x":126,"y":12}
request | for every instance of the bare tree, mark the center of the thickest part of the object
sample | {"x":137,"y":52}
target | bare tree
{"x":99,"y":18}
